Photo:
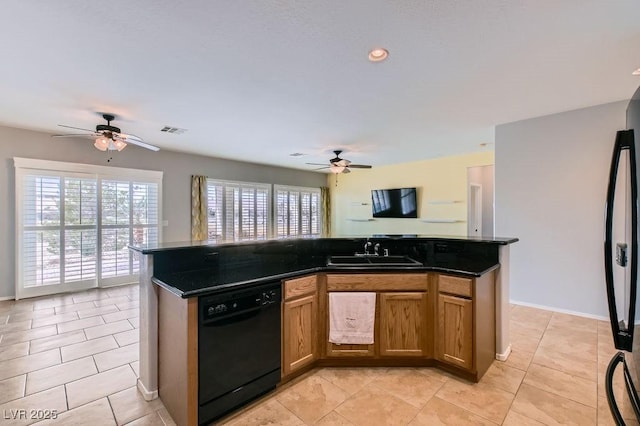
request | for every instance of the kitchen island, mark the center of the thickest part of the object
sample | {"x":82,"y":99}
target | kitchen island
{"x":452,"y":281}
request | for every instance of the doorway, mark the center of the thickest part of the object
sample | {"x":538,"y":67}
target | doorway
{"x":480,"y":210}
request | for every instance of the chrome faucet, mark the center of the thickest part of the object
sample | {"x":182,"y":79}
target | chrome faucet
{"x":366,"y":247}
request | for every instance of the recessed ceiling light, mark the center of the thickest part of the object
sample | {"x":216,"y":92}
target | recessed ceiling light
{"x":636,"y":72}
{"x":378,"y":54}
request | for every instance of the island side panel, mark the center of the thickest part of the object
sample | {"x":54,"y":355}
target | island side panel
{"x":484,"y":322}
{"x":148,"y":380}
{"x":178,"y":356}
{"x":503,"y":309}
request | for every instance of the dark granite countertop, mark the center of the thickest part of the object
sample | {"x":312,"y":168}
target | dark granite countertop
{"x":177,"y":245}
{"x":191,"y":269}
{"x":205,"y":281}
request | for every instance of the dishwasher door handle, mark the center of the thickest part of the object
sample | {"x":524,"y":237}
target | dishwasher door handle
{"x":233,"y":318}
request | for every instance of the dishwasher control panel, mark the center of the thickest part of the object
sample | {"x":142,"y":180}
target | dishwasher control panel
{"x":237,"y":302}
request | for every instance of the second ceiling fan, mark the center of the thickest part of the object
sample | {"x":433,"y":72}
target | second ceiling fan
{"x":340,"y":165}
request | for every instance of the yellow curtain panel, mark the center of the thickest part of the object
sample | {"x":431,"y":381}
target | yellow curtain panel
{"x":199,"y":229}
{"x":326,"y":211}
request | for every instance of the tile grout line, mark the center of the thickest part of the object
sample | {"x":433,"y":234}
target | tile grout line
{"x":113,"y":413}
{"x":66,"y":394}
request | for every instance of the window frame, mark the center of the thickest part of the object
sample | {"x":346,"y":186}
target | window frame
{"x":300,"y":190}
{"x":225,"y":204}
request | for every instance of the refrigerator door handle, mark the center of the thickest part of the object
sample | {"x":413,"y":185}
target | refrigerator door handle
{"x":611,"y":398}
{"x":622,"y":336}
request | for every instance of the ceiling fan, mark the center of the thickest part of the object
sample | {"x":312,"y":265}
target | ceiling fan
{"x":108,"y":137}
{"x":340,"y":165}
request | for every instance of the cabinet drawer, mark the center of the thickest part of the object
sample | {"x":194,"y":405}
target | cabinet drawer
{"x":455,"y":285}
{"x":377,"y":282}
{"x":299,"y":287}
{"x":351,"y":351}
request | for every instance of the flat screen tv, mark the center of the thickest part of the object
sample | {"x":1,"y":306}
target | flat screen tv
{"x":398,"y":202}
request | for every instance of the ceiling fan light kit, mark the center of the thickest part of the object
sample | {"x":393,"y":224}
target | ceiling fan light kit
{"x":104,"y":144}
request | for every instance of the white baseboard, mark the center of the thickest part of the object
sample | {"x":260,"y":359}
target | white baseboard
{"x":562,"y":311}
{"x":147,"y":395}
{"x":2,"y":299}
{"x":504,"y":355}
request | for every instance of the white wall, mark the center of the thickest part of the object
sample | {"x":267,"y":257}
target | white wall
{"x":551,"y":175}
{"x":176,"y":185}
{"x":435,"y":179}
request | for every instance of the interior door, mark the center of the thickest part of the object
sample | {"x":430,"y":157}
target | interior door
{"x":474,"y":220}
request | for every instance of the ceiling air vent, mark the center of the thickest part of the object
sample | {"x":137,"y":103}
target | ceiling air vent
{"x":175,"y":130}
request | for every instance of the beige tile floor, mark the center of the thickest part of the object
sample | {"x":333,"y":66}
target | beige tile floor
{"x":554,"y":376}
{"x":78,"y":354}
{"x":75,"y":354}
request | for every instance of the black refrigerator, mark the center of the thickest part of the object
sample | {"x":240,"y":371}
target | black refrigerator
{"x":621,"y":261}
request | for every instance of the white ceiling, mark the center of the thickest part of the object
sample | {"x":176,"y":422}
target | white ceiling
{"x":258,"y":80}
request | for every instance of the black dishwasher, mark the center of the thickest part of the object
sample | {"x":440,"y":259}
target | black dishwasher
{"x":238,"y":348}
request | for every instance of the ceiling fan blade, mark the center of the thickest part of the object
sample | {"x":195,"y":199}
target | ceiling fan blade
{"x":359,"y":166}
{"x":321,"y":168}
{"x":136,"y":142}
{"x":76,"y":135}
{"x":346,"y":170}
{"x":77,"y":128}
{"x":318,"y":164}
{"x":129,"y":137}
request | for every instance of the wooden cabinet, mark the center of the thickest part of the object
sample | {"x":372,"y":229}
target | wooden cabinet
{"x":455,"y":337}
{"x":299,"y":324}
{"x":420,"y":320}
{"x":465,"y":312}
{"x":404,"y":324}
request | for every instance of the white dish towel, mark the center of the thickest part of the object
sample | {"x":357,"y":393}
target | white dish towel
{"x":351,"y":317}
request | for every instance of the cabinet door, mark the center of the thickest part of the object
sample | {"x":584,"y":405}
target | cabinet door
{"x":455,"y":330}
{"x":403,"y":324}
{"x":300,"y":333}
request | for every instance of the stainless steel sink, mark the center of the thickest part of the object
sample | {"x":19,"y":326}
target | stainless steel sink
{"x":371,"y":261}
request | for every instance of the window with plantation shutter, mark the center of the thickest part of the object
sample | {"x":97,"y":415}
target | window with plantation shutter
{"x":145,"y":211}
{"x":297,"y":211}
{"x":75,"y":221}
{"x":129,"y":216}
{"x":237,"y":211}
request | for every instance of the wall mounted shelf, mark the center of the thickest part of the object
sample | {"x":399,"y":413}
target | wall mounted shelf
{"x":442,"y":221}
{"x":443,"y":201}
{"x":352,"y":219}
